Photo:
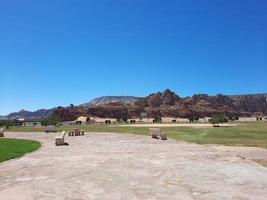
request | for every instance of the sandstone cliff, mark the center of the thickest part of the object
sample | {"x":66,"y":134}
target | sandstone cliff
{"x":168,"y":104}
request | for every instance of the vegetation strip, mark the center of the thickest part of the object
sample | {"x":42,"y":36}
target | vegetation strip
{"x":12,"y":148}
{"x":250,"y":134}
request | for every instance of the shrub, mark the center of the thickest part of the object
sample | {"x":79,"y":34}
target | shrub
{"x":233,"y":117}
{"x":122,"y":119}
{"x":193,"y":118}
{"x":48,"y":121}
{"x":7,"y":123}
{"x":218,"y":118}
{"x":157,"y":119}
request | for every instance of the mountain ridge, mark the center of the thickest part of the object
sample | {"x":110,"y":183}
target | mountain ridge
{"x":169,"y":104}
{"x":108,"y":99}
{"x":166,"y":102}
{"x":30,"y":115}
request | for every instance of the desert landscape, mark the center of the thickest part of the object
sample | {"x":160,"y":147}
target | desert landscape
{"x":133,"y":100}
{"x":112,"y":149}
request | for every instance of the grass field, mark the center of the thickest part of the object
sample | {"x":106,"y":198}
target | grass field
{"x":250,"y":134}
{"x":13,"y":148}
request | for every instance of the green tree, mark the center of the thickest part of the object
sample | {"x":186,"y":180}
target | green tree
{"x":218,"y":118}
{"x":119,"y":120}
{"x":51,"y":120}
{"x":232,"y":117}
{"x":7,"y":123}
{"x":125,"y":119}
{"x":193,"y":118}
{"x":157,"y":119}
{"x":122,"y":119}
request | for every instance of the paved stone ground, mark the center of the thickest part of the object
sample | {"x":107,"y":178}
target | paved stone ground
{"x":121,"y":166}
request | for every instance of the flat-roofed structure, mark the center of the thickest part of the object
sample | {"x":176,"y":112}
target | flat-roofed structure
{"x":247,"y":119}
{"x":103,"y":120}
{"x":81,"y":120}
{"x":148,"y":120}
{"x":169,"y":119}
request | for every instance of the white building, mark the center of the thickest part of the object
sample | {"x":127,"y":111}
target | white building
{"x":169,"y":119}
{"x":103,"y":120}
{"x":247,"y":119}
{"x":81,"y":120}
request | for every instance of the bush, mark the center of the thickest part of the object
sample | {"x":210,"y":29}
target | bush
{"x":122,"y":119}
{"x":50,"y":121}
{"x":193,"y":118}
{"x":218,"y":118}
{"x":7,"y":123}
{"x":157,"y":119}
{"x":233,"y":117}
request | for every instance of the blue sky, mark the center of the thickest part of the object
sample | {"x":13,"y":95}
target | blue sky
{"x":60,"y":52}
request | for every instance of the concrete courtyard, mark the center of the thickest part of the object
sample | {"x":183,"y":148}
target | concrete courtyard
{"x":122,"y":166}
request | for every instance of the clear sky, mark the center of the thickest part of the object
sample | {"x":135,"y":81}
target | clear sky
{"x":69,"y":51}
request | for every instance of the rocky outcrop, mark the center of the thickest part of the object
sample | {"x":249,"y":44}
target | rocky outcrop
{"x":168,"y":104}
{"x":165,"y":103}
{"x":69,"y":113}
{"x":250,"y":103}
{"x":159,"y":99}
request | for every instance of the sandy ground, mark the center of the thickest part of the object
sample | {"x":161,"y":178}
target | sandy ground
{"x":176,"y":125}
{"x":121,"y":166}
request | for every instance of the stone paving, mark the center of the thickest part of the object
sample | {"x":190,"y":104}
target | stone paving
{"x":123,"y":166}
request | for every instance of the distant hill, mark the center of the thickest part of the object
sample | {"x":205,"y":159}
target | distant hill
{"x":111,"y":99}
{"x":38,"y":114}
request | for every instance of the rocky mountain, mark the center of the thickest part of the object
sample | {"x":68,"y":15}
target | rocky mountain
{"x":168,"y":104}
{"x":38,"y":114}
{"x":164,"y":104}
{"x":111,"y":99}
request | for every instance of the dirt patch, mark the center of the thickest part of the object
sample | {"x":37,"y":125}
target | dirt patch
{"x":261,"y":162}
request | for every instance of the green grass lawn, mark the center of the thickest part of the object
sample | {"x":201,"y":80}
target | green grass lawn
{"x":252,"y":134}
{"x":249,"y":134}
{"x":13,"y":148}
